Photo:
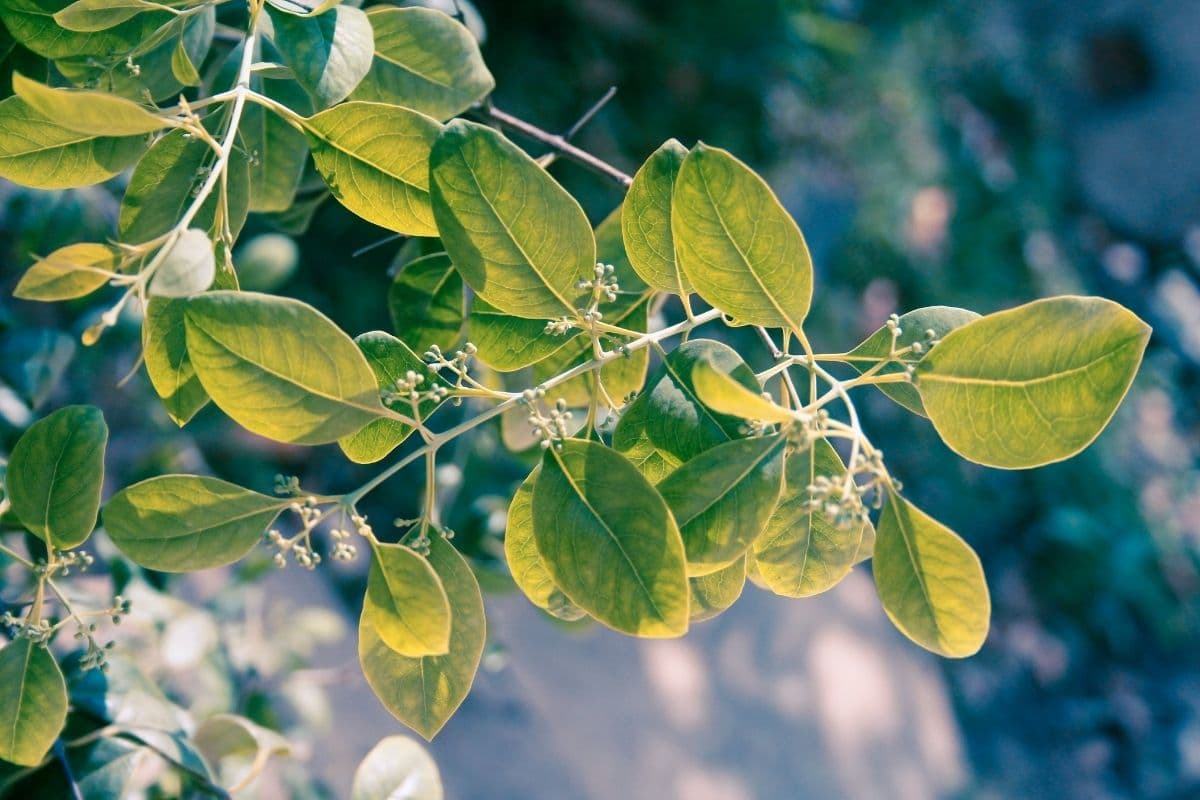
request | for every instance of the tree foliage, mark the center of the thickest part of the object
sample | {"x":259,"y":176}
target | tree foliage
{"x":656,"y":492}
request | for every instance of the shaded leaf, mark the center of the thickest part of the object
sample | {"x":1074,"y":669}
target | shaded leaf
{"x":427,"y":304}
{"x":188,"y":267}
{"x":609,"y":541}
{"x":33,"y":702}
{"x":424,"y":60}
{"x":55,"y":475}
{"x":525,"y":563}
{"x":329,"y":53}
{"x":164,"y":347}
{"x":722,"y":498}
{"x":397,"y":769}
{"x":646,"y":220}
{"x":713,"y":593}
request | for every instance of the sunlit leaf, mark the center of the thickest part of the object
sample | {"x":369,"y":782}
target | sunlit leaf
{"x":913,"y":328}
{"x":406,"y":602}
{"x":525,"y":562}
{"x":73,"y":271}
{"x":375,"y":159}
{"x":425,"y":692}
{"x":40,"y":153}
{"x":182,"y":523}
{"x":722,"y":498}
{"x":518,"y":238}
{"x":736,"y":244}
{"x":802,"y":552}
{"x":722,"y":393}
{"x":930,"y":581}
{"x":164,"y":346}
{"x":92,"y":113}
{"x":1034,"y":384}
{"x":646,"y":220}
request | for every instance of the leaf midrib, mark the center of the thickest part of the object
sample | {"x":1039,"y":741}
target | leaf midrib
{"x":934,"y":377}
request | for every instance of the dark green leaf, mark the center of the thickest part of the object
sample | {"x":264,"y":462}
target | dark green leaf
{"x":329,"y":53}
{"x":33,"y":702}
{"x":427,"y":304}
{"x":646,"y":220}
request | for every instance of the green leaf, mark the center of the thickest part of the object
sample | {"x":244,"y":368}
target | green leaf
{"x":802,"y":553}
{"x":1034,"y":384}
{"x":86,"y":16}
{"x":329,"y":53}
{"x":713,"y":593}
{"x":646,"y":220}
{"x":609,"y":541}
{"x":406,"y":603}
{"x":163,"y":183}
{"x":92,"y":113}
{"x":424,"y":692}
{"x":507,"y":343}
{"x":280,"y":368}
{"x":183,"y":523}
{"x":736,"y":244}
{"x":188,"y":267}
{"x":669,"y":416}
{"x":722,"y":498}
{"x":390,"y":360}
{"x":424,"y":60}
{"x":720,"y":392}
{"x":181,"y":65}
{"x":73,"y":271}
{"x":930,"y":581}
{"x":518,"y":238}
{"x":32,"y":23}
{"x":280,"y":150}
{"x":40,"y":153}
{"x":375,"y":159}
{"x":303,"y":8}
{"x":33,"y":702}
{"x":528,"y":569}
{"x":397,"y":769}
{"x":621,"y":377}
{"x":55,"y":474}
{"x":164,"y":347}
{"x":632,"y":440}
{"x":427,"y":305}
{"x":913,"y":326}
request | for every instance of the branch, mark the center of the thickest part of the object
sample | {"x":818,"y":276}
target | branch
{"x":552,"y":140}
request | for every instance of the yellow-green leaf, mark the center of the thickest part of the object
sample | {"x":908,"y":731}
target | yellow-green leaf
{"x":42,"y":154}
{"x":55,"y":475}
{"x":182,"y":523}
{"x":646,"y":220}
{"x":801,"y":552}
{"x":525,"y":562}
{"x":406,"y":602}
{"x":33,"y":702}
{"x":375,"y":159}
{"x":518,"y":238}
{"x":425,"y":692}
{"x":280,"y":368}
{"x":1034,"y":384}
{"x":736,"y":244}
{"x":93,"y":113}
{"x":720,"y":392}
{"x":713,"y":593}
{"x":722,"y":499}
{"x":424,"y":60}
{"x":164,"y":346}
{"x":73,"y":271}
{"x":930,"y":581}
{"x":609,"y":541}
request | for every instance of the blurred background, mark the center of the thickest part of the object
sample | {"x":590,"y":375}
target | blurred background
{"x":934,"y":152}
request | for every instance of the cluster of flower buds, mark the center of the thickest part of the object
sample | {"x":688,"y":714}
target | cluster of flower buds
{"x":603,"y":284}
{"x":38,"y":632}
{"x":458,"y":364}
{"x":808,"y":429}
{"x":310,"y":515}
{"x":77,"y":559}
{"x":95,"y":656}
{"x":288,"y":486}
{"x":342,"y":549}
{"x":407,"y":389}
{"x":559,"y":327}
{"x":838,"y":500}
{"x":550,"y":429}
